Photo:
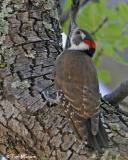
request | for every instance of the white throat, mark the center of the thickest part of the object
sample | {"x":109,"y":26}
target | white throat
{"x":81,"y":46}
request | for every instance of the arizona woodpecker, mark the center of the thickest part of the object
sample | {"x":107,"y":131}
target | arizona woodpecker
{"x":77,"y":83}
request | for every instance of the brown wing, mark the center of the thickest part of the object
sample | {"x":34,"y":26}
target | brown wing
{"x":76,"y":77}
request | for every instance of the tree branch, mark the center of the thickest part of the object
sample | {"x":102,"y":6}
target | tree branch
{"x":66,"y":14}
{"x":118,"y":94}
{"x":100,"y":26}
{"x":73,"y":13}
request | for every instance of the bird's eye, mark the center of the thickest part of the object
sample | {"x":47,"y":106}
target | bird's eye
{"x":78,"y":32}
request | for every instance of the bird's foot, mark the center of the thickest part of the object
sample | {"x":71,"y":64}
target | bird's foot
{"x":50,"y":100}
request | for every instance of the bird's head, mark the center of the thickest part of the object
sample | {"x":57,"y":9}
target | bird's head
{"x":81,"y":40}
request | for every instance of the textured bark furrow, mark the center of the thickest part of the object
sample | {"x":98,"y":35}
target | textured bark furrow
{"x":28,"y":62}
{"x":24,"y":27}
{"x":45,"y":133}
{"x":20,"y":127}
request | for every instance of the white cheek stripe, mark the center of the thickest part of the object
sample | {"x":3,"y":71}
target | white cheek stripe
{"x":83,"y":35}
{"x":81,"y":46}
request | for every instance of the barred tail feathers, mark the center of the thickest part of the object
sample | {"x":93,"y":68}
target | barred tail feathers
{"x":98,"y":141}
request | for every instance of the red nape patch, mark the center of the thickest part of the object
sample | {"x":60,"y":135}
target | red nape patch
{"x":90,"y":43}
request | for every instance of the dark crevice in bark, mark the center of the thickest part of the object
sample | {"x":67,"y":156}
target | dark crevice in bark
{"x":19,"y":74}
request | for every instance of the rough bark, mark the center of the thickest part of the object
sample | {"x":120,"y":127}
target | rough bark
{"x":27,"y":125}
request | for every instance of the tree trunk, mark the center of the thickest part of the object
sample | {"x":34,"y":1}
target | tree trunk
{"x":28,"y":127}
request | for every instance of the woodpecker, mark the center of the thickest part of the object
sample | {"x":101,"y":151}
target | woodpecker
{"x":77,"y":84}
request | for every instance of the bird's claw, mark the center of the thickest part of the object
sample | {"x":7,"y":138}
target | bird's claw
{"x":50,"y":100}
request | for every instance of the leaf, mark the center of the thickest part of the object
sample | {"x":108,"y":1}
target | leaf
{"x":123,"y":9}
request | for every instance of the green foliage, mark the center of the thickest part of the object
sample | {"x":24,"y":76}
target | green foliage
{"x":112,"y":37}
{"x":104,"y":75}
{"x":67,"y":4}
